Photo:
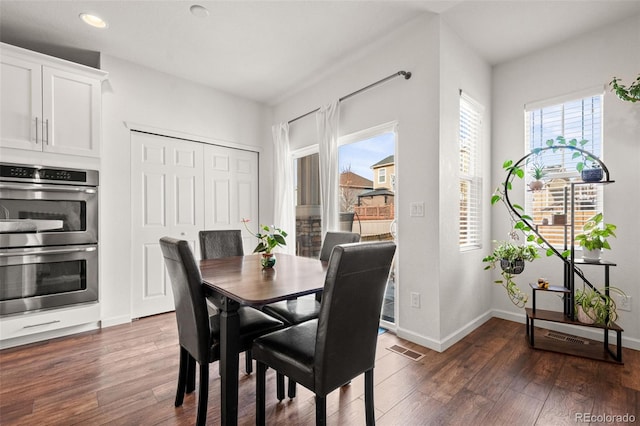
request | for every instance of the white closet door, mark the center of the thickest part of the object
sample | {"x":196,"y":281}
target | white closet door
{"x":231,"y":191}
{"x":167,"y":187}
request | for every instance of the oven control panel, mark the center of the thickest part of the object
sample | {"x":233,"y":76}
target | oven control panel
{"x":39,"y":174}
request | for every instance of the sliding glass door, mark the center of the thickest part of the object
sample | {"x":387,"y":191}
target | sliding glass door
{"x":368,"y":197}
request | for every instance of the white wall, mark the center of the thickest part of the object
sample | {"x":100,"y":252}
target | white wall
{"x":587,"y":61}
{"x":137,"y":94}
{"x":465,"y":297}
{"x":416,"y":106}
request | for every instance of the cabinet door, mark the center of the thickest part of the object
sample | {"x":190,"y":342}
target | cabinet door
{"x":71,"y":111}
{"x":20,"y":103}
{"x":166,"y":195}
{"x":231,"y":190}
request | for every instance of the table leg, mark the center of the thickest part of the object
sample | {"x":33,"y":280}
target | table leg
{"x":229,"y":332}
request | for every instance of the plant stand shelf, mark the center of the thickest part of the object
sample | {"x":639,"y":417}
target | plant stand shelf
{"x":592,"y":349}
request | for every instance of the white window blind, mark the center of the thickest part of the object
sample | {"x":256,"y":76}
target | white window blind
{"x":579,"y":119}
{"x":469,"y":139}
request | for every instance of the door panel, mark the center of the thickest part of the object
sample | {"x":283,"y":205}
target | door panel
{"x":166,"y":193}
{"x":231,"y":177}
{"x":21,"y":98}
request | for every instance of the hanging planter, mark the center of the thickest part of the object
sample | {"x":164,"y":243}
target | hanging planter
{"x":514,"y":267}
{"x":594,"y":174}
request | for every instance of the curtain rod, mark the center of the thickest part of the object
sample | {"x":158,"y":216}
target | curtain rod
{"x":406,"y":74}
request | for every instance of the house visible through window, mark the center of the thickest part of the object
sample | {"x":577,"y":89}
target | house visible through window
{"x":470,"y":179}
{"x":578,"y":119}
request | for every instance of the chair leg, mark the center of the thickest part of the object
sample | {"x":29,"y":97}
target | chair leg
{"x":203,"y":395}
{"x":191,"y":373}
{"x":279,"y":386}
{"x":248,"y":362}
{"x":261,"y":372}
{"x":370,"y":414}
{"x":182,"y":376}
{"x":321,"y":411}
{"x":291,"y":390}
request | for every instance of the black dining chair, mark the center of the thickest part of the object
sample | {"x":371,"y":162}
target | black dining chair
{"x":305,"y":308}
{"x":217,"y":244}
{"x":199,"y":332}
{"x":326,"y":353}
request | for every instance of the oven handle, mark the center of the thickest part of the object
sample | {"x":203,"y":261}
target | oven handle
{"x":50,"y":251}
{"x":50,"y":188}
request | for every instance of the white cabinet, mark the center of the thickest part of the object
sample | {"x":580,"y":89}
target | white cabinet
{"x":48,"y":104}
{"x":22,"y":329}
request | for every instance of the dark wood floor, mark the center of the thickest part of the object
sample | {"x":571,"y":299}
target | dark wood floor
{"x":126,"y":375}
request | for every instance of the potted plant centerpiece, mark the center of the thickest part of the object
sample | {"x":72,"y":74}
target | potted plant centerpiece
{"x":593,"y":238}
{"x":269,"y":238}
{"x":596,"y":306}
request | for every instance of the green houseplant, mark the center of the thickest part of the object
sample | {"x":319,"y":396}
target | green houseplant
{"x":512,"y":258}
{"x":588,"y":166}
{"x":629,"y":94}
{"x":595,"y":306}
{"x":538,"y":173}
{"x":593,"y":238}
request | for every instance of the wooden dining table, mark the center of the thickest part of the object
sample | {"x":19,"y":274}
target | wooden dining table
{"x":240,"y":280}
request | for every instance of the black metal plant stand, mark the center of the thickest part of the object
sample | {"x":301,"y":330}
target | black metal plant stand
{"x":562,"y":343}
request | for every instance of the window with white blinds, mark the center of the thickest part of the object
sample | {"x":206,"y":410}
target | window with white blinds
{"x":470,"y":179}
{"x":579,"y":121}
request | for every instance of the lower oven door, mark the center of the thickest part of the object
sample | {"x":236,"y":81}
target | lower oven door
{"x":47,"y":277}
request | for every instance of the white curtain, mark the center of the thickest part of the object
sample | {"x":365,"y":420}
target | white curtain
{"x":327,"y":119}
{"x":284,"y":208}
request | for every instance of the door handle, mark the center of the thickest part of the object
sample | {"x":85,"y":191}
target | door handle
{"x":47,"y":127}
{"x":36,"y":130}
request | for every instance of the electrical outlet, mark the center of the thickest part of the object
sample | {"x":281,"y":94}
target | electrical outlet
{"x":624,"y":303}
{"x":415,"y":300}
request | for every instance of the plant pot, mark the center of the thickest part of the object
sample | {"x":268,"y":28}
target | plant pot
{"x":536,"y":185}
{"x":582,"y":315}
{"x":268,"y":260}
{"x":591,"y":255}
{"x":515,"y":267}
{"x":592,"y":175}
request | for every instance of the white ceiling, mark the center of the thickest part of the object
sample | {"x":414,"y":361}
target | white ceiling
{"x":265,"y":50}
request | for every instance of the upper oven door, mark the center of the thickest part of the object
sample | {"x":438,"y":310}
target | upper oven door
{"x":39,"y":214}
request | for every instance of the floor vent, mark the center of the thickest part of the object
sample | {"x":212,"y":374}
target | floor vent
{"x":566,"y":338}
{"x":416,"y":356}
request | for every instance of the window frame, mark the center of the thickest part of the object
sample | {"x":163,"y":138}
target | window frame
{"x":470,"y":231}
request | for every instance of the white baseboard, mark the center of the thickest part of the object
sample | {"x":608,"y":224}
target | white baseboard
{"x":110,"y":322}
{"x":462,"y":332}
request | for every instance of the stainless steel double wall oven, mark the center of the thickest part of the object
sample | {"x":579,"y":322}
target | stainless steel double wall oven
{"x":48,"y":237}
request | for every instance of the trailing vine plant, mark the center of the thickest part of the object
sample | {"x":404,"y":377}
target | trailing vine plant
{"x":521,"y":222}
{"x":629,"y":94}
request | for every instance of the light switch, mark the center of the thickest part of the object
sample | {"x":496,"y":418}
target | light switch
{"x":416,"y":209}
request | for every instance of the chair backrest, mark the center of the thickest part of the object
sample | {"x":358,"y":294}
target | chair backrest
{"x":332,"y":239}
{"x":350,"y":312}
{"x":219,"y":244}
{"x":188,"y":296}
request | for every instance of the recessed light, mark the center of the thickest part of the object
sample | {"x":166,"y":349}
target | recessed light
{"x":199,"y":11}
{"x":93,"y":20}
